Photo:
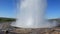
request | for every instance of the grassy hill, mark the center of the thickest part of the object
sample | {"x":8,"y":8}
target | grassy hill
{"x":2,"y":19}
{"x":56,"y":19}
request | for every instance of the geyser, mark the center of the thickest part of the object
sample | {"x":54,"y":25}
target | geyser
{"x":31,"y":14}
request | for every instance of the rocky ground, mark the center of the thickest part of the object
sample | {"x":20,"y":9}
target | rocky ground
{"x":14,"y":30}
{"x":35,"y":31}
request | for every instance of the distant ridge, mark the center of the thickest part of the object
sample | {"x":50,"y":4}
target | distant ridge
{"x":4,"y":19}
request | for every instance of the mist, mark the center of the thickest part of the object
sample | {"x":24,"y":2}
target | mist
{"x":31,"y":14}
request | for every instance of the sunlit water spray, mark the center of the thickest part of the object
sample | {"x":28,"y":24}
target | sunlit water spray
{"x":31,"y":14}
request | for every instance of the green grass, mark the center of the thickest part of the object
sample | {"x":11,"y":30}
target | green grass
{"x":2,"y":19}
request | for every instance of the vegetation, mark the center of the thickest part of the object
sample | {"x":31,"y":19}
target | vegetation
{"x":2,"y":19}
{"x":57,"y":19}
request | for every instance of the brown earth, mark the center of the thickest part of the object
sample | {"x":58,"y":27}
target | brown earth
{"x":38,"y":31}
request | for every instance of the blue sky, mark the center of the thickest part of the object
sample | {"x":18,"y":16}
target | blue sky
{"x":53,"y":9}
{"x":7,"y":8}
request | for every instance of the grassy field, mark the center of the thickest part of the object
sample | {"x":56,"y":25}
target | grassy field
{"x":2,"y":19}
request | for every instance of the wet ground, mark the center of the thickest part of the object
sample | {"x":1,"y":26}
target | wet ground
{"x":7,"y":33}
{"x":33,"y":31}
{"x":2,"y":32}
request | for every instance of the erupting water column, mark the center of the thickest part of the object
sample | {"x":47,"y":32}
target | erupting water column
{"x":31,"y":14}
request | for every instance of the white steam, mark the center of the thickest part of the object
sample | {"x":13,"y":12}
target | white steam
{"x":31,"y":14}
